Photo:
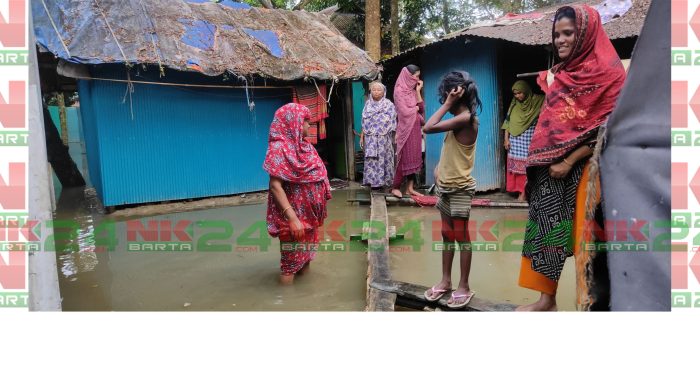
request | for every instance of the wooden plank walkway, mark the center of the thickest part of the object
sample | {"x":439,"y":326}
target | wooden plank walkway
{"x":477,"y":203}
{"x":378,"y":258}
{"x":411,"y":296}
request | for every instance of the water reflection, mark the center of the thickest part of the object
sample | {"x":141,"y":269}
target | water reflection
{"x":223,"y":275}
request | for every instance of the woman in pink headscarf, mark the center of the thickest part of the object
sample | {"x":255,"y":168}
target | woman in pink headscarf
{"x":410,"y":110}
{"x":299,"y":189}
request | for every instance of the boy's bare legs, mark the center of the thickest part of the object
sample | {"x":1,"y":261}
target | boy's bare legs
{"x":461,"y":229}
{"x":447,"y":255}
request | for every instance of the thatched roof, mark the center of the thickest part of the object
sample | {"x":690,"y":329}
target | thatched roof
{"x":535,"y":28}
{"x":199,"y":35}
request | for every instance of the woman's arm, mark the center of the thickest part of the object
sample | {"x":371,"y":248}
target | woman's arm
{"x":561,"y":169}
{"x":506,"y":140}
{"x":282,"y":203}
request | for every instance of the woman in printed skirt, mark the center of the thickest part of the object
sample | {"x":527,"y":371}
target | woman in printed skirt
{"x":519,"y":126}
{"x":581,"y":92}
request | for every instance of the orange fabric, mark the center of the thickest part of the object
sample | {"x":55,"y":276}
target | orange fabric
{"x":535,"y":280}
{"x":538,"y":282}
{"x":584,"y":233}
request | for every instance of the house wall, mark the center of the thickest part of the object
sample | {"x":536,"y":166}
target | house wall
{"x":479,"y":59}
{"x":166,"y":143}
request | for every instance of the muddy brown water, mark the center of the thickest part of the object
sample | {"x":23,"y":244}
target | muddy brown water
{"x":243,"y":279}
{"x":494,"y":271}
{"x":237,"y":279}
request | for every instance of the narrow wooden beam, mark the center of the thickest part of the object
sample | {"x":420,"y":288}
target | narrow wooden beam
{"x":411,"y":295}
{"x":378,"y":259}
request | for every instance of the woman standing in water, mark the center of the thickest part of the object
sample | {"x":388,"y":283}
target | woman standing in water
{"x":519,"y":126}
{"x":299,"y":190}
{"x":581,"y":92}
{"x":411,"y":117}
{"x":378,"y":129}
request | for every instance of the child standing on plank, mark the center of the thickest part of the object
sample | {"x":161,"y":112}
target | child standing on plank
{"x":455,"y":185}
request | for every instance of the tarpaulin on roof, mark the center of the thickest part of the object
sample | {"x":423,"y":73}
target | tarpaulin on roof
{"x":200,"y":35}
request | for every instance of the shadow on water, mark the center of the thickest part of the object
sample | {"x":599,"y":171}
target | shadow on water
{"x":221,"y":272}
{"x":494,"y":271}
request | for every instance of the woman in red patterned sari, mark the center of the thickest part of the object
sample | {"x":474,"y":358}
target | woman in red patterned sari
{"x":299,"y":190}
{"x":581,"y":92}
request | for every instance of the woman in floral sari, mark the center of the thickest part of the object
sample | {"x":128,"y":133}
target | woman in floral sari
{"x":378,"y":129}
{"x":299,"y":190}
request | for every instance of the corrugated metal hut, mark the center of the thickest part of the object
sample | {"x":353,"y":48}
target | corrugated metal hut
{"x":177,"y":96}
{"x":494,"y":53}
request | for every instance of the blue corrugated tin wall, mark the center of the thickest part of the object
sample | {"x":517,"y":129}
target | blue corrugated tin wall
{"x":358,"y":104}
{"x":181,"y":143}
{"x":92,"y":145}
{"x":479,"y":59}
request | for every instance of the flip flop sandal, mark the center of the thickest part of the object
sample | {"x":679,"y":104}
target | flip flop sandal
{"x":429,"y":294}
{"x":468,"y":295}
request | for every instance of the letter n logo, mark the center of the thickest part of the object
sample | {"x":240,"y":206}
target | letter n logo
{"x":13,"y":25}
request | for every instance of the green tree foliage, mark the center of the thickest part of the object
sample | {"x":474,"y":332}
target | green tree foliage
{"x":420,"y":20}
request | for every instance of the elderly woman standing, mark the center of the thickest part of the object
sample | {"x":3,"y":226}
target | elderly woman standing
{"x":411,"y":117}
{"x":519,"y":126}
{"x":581,"y":92}
{"x":378,"y":130}
{"x":299,"y":190}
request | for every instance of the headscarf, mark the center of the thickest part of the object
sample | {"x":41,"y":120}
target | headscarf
{"x":378,"y":119}
{"x":406,"y":102}
{"x":583,"y":94}
{"x":289,"y":156}
{"x":521,"y":115}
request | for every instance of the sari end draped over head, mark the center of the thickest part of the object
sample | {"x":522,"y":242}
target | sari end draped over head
{"x":406,"y":101}
{"x":522,"y":114}
{"x":378,"y":119}
{"x":583,"y":93}
{"x":289,"y":156}
{"x":293,"y":159}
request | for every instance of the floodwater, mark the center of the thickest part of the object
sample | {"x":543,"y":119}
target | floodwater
{"x":494,"y":271}
{"x":241,"y":277}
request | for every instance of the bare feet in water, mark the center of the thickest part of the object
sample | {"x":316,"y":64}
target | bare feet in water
{"x":286,"y":279}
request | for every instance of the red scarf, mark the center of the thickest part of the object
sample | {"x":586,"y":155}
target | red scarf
{"x":583,"y":94}
{"x":289,"y":156}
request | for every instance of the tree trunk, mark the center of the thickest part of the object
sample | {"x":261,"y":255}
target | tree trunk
{"x":267,"y":4}
{"x":60,"y":98}
{"x":395,"y":37}
{"x":446,"y":16}
{"x":59,"y":157}
{"x":373,"y":30}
